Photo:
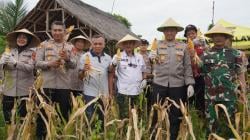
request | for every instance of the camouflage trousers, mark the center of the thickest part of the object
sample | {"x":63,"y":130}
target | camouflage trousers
{"x":219,"y":126}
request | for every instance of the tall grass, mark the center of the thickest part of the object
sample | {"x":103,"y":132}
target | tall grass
{"x":135,"y":127}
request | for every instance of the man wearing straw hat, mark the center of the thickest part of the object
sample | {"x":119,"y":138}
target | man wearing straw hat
{"x":172,"y":73}
{"x":55,"y":59}
{"x":130,"y":72}
{"x":18,"y":66}
{"x":221,"y":66}
{"x":81,"y":46}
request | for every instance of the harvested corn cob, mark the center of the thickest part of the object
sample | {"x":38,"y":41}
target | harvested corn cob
{"x":154,"y":48}
{"x":39,"y":80}
{"x":118,"y":53}
{"x":91,"y":70}
{"x":194,"y":57}
{"x":154,"y":45}
{"x":7,"y":50}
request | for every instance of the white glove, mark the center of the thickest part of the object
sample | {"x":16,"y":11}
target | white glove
{"x":190,"y":91}
{"x":153,"y":55}
{"x":4,"y":58}
{"x":11,"y":60}
{"x":116,"y":60}
{"x":143,"y":84}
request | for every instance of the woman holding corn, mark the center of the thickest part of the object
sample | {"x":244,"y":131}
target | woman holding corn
{"x":18,"y":66}
{"x":81,"y":46}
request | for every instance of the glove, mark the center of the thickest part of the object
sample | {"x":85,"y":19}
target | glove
{"x":153,"y":55}
{"x":143,"y":84}
{"x":190,"y":91}
{"x":11,"y":60}
{"x":116,"y":60}
{"x":4,"y":58}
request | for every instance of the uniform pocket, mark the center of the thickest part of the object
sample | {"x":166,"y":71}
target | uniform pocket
{"x":179,"y":55}
{"x":163,"y":54}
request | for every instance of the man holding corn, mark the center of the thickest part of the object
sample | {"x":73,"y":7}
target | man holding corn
{"x":172,"y":73}
{"x":55,"y":59}
{"x":94,"y":70}
{"x":130,"y":71}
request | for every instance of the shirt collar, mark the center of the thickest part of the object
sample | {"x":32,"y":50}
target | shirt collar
{"x":94,"y":54}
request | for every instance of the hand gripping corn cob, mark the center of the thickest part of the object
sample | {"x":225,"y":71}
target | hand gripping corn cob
{"x":154,"y":48}
{"x":194,"y":57}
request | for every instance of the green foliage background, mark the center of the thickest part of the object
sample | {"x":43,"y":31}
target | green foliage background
{"x":2,"y":43}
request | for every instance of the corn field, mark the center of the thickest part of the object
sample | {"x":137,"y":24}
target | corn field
{"x":135,"y":127}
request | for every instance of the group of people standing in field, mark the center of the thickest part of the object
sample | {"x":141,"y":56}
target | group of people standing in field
{"x":199,"y":75}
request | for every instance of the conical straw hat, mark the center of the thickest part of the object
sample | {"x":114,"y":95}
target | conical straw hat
{"x":218,"y":29}
{"x":128,"y":37}
{"x":170,"y":23}
{"x":73,"y":40}
{"x":12,"y":37}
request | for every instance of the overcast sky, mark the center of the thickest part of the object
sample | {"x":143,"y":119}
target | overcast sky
{"x":146,"y":15}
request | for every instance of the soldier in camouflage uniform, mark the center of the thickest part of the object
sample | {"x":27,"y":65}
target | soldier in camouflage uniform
{"x":220,"y":66}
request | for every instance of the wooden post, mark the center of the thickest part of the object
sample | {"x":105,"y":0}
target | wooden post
{"x":47,"y":20}
{"x":90,"y":33}
{"x":63,"y":19}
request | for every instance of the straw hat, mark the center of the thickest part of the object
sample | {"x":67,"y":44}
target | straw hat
{"x":73,"y":40}
{"x":218,"y":29}
{"x":128,"y":37}
{"x":170,"y":23}
{"x":12,"y":37}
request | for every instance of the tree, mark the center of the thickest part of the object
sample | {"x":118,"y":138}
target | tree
{"x":123,"y":20}
{"x":11,"y":14}
{"x":2,"y":44}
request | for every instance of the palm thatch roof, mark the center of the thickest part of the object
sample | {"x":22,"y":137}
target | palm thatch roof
{"x":87,"y":19}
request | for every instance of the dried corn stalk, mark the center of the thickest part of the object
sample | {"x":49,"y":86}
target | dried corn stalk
{"x":215,"y":137}
{"x":135,"y":122}
{"x":187,"y":119}
{"x":217,"y":106}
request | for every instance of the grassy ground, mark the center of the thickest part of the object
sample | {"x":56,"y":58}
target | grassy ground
{"x":3,"y":132}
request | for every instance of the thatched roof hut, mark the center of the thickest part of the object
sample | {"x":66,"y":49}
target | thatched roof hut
{"x":87,"y":19}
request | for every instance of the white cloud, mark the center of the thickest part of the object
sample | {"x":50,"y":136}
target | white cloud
{"x":147,"y":15}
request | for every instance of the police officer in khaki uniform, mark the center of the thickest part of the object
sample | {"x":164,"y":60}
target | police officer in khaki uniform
{"x":172,"y":73}
{"x":81,"y":46}
{"x":55,"y":59}
{"x":18,"y":67}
